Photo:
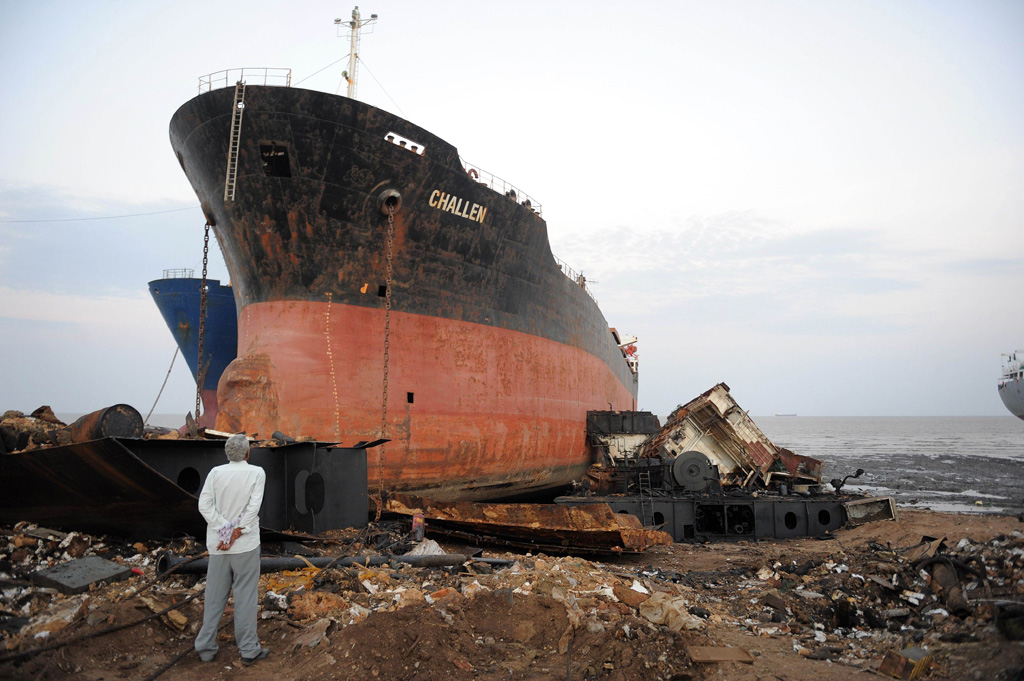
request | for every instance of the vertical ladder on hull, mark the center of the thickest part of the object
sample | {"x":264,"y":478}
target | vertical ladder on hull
{"x":646,"y":502}
{"x":236,"y":133}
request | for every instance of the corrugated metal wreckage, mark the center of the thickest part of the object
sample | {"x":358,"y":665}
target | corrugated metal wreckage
{"x":708,"y":474}
{"x":711,"y":474}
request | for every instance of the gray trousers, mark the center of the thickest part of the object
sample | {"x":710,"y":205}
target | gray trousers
{"x":241,"y":572}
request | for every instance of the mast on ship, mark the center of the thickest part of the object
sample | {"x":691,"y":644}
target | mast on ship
{"x":354,"y":28}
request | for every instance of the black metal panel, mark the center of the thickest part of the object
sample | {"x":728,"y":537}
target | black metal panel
{"x":325,"y":488}
{"x":100,"y":487}
{"x":790,"y":519}
{"x":606,"y":422}
{"x":823,"y":516}
{"x":681,"y":523}
{"x":310,"y":487}
{"x":725,"y":518}
{"x":188,"y":462}
{"x":764,"y":520}
{"x":150,"y":488}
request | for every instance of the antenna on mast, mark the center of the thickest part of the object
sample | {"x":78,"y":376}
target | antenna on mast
{"x":354,"y":27}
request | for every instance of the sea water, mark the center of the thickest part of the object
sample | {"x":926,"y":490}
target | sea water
{"x":945,"y":463}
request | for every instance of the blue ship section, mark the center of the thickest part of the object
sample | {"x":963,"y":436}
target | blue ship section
{"x":178,"y":300}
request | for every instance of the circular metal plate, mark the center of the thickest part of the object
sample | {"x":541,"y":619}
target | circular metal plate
{"x":691,"y":471}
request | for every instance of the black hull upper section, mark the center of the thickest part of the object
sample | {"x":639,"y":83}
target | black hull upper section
{"x":306,"y":222}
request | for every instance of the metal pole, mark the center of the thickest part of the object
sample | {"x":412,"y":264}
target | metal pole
{"x":354,"y":49}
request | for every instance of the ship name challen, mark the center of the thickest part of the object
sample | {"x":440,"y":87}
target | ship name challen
{"x":453,"y":204}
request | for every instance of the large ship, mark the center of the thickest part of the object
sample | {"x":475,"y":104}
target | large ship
{"x":178,"y":297}
{"x":1010,"y":383}
{"x":387,"y":289}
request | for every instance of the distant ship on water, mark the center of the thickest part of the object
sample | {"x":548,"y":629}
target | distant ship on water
{"x":779,"y":413}
{"x":1010,"y":383}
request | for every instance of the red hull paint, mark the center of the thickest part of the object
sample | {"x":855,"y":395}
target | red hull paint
{"x":474,"y":411}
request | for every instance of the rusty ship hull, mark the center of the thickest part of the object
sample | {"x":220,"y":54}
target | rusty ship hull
{"x":494,"y":355}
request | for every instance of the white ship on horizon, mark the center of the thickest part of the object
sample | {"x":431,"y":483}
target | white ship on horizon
{"x":1010,"y":388}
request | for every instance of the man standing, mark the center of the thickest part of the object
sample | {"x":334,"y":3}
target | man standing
{"x":230,"y":502}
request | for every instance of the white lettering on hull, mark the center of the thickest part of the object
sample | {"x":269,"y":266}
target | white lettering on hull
{"x":457,"y":206}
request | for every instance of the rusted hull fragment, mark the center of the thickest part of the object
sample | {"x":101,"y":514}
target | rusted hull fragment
{"x":716,"y":426}
{"x":587,"y":526}
{"x":149,"y":488}
{"x":99,"y":487}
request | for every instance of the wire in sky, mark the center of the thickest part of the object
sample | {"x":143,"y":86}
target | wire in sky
{"x":106,"y":217}
{"x":323,"y":69}
{"x":381,"y":86}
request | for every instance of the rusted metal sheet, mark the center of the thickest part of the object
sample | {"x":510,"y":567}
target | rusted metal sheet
{"x":149,"y":488}
{"x":717,"y":427}
{"x":99,"y":487}
{"x":799,"y":466}
{"x":552,"y":526}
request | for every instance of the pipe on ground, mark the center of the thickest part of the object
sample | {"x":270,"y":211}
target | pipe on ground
{"x":168,"y":562}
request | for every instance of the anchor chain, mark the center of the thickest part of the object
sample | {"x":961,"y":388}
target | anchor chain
{"x":200,"y":369}
{"x":159,"y":394}
{"x":388,"y":273}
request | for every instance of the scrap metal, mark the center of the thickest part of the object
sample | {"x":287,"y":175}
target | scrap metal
{"x":149,"y":488}
{"x":711,"y":474}
{"x":714,"y":425}
{"x":555,"y":527}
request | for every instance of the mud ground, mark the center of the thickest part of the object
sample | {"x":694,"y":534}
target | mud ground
{"x":554,"y":618}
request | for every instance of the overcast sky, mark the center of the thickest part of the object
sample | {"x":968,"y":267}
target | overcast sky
{"x":819,"y":203}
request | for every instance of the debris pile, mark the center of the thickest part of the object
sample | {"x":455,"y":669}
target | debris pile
{"x":507,"y":616}
{"x":663,"y":614}
{"x":42,"y":428}
{"x":714,"y":425}
{"x":857,"y":608}
{"x":708,"y":445}
{"x":19,"y":432}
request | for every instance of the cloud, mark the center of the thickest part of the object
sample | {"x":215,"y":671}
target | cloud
{"x":987,"y":267}
{"x":119,"y":314}
{"x":741,"y":268}
{"x":79,"y":353}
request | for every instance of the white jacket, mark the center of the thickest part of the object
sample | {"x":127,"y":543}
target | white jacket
{"x":232,"y":491}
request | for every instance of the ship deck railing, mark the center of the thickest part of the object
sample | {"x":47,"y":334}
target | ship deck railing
{"x":261,"y":75}
{"x":183,"y":273}
{"x":574,"y":276}
{"x":504,"y":188}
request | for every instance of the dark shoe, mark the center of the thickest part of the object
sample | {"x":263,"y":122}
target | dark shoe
{"x":262,"y":655}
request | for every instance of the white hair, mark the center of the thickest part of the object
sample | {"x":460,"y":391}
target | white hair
{"x":236,"y":447}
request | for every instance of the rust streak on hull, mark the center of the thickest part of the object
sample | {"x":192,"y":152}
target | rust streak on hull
{"x":474,"y":410}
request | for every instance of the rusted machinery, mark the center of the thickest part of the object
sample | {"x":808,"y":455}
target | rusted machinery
{"x":711,"y":474}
